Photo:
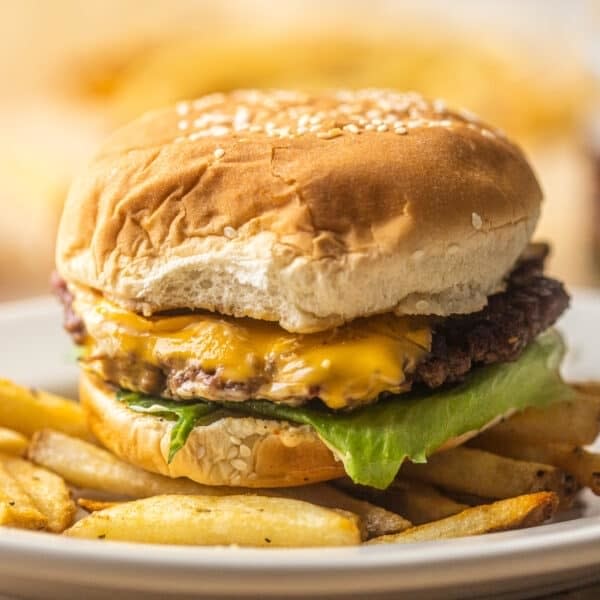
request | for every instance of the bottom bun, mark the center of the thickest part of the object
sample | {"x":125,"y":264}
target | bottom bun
{"x":234,"y":451}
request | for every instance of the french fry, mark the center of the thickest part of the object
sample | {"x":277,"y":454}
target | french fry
{"x":16,"y":507}
{"x":92,"y":505}
{"x":87,"y":466}
{"x":374,"y":520}
{"x":12,"y":442}
{"x":583,"y":465}
{"x":575,"y":422}
{"x":420,"y":502}
{"x":480,"y":473}
{"x":221,"y":520}
{"x":514,"y":513}
{"x":589,"y":388}
{"x":26,"y":411}
{"x":48,"y":491}
{"x":415,"y":500}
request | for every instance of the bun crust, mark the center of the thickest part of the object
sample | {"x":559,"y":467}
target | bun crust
{"x":242,"y":451}
{"x":309,"y":210}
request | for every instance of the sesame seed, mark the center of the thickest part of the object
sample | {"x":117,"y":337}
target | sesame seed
{"x":351,"y":128}
{"x":195,"y":136}
{"x":239,"y":464}
{"x":183,"y":124}
{"x":235,"y":440}
{"x":422,"y":305}
{"x":303,"y":121}
{"x":400,"y":130}
{"x":439,"y":105}
{"x":488,"y":134}
{"x":326,"y":363}
{"x":369,"y":127}
{"x":476,"y":221}
{"x":245,"y":452}
{"x":467,"y":115}
{"x":219,"y":130}
{"x":182,"y":108}
{"x":382,"y":127}
{"x":229,"y":232}
{"x":219,"y":153}
{"x":332,"y":133}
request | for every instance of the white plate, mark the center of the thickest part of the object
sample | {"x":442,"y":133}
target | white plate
{"x":34,"y":351}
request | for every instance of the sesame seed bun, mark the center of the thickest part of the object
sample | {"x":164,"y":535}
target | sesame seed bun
{"x":308,"y":210}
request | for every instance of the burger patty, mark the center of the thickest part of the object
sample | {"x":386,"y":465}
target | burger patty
{"x":513,"y":318}
{"x":500,"y":332}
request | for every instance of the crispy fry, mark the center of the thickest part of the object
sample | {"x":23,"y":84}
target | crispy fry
{"x":48,"y":491}
{"x":480,"y":473}
{"x":422,"y":503}
{"x":583,"y":465}
{"x":26,"y":411}
{"x":513,"y":513}
{"x":91,"y":467}
{"x":575,"y":422}
{"x":415,"y":500}
{"x":92,"y":505}
{"x":374,"y":519}
{"x":16,"y":507}
{"x":87,"y":466}
{"x":216,"y":520}
{"x":589,"y":388}
{"x":12,"y":442}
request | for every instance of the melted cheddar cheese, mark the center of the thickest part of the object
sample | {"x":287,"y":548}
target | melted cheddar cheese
{"x":344,"y":367}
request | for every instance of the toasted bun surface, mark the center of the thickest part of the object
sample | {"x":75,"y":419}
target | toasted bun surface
{"x":241,"y":451}
{"x":309,"y":210}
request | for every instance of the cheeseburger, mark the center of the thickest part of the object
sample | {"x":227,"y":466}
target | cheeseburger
{"x":278,"y":288}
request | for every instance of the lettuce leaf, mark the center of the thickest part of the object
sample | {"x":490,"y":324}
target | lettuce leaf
{"x":372,"y":442}
{"x":186,"y":415}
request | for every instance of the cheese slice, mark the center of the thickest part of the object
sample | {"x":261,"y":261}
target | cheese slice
{"x":244,"y":358}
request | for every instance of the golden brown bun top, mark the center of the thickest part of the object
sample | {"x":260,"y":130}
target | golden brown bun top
{"x":328,"y":179}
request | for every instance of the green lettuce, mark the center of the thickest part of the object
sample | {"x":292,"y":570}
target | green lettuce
{"x":186,"y":415}
{"x":372,"y":442}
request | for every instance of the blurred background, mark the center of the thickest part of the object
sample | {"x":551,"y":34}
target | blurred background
{"x":73,"y":71}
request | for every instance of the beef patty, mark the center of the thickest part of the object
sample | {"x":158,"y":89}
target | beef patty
{"x":500,"y":332}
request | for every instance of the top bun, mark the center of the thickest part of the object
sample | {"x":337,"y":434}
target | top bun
{"x":309,"y":210}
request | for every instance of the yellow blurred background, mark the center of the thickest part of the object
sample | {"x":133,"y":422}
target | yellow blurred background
{"x":72,"y":71}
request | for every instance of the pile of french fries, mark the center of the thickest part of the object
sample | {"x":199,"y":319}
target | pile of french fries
{"x":55,"y":477}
